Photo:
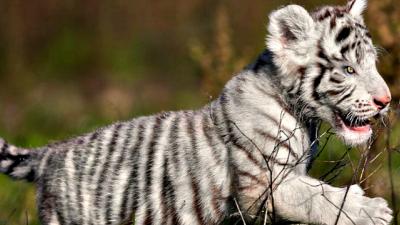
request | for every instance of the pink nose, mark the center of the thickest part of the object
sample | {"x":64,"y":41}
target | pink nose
{"x":382,"y":101}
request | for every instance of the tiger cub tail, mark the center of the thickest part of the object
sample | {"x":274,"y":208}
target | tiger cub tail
{"x":19,"y":163}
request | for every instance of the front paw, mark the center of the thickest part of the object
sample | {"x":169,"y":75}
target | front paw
{"x":361,"y":210}
{"x":375,"y":211}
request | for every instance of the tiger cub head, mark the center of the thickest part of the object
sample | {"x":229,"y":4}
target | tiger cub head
{"x":327,"y":63}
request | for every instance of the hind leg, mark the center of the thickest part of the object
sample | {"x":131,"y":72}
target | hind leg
{"x":46,"y":206}
{"x":49,"y":218}
{"x":47,"y":213}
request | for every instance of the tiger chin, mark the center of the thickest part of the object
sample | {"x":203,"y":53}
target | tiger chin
{"x":245,"y":152}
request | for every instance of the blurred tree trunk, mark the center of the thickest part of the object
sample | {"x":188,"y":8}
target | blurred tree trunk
{"x":383,"y":20}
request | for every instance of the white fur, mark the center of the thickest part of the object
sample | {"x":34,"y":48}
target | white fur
{"x":5,"y":163}
{"x":289,"y":53}
{"x":358,"y":7}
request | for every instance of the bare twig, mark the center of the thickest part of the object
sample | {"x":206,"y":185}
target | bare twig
{"x":390,"y":170}
{"x":240,"y":211}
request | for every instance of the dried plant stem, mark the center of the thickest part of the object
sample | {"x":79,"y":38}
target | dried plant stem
{"x":390,"y":171}
{"x":240,"y":211}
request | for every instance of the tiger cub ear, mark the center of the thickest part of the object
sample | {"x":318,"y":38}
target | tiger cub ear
{"x":292,"y":37}
{"x":356,"y":7}
{"x":288,"y":26}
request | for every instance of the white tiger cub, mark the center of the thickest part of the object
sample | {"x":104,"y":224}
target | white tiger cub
{"x":247,"y":150}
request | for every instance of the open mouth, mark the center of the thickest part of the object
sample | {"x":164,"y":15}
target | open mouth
{"x":353,"y":130}
{"x":353,"y":123}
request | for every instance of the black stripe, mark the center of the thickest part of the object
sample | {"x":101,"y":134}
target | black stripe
{"x":361,"y":26}
{"x":215,"y":192}
{"x":272,"y":119}
{"x":344,"y":49}
{"x":224,"y":117}
{"x":358,"y":56}
{"x":157,"y":131}
{"x":116,"y":172}
{"x":263,"y":91}
{"x":101,"y":183}
{"x":275,"y":121}
{"x":334,"y":92}
{"x":173,"y":139}
{"x":321,"y":53}
{"x":260,"y":63}
{"x":340,"y":15}
{"x":90,"y":145}
{"x":333,"y":22}
{"x":31,"y":176}
{"x":234,"y":142}
{"x":167,"y":194}
{"x":317,"y":82}
{"x":346,"y":96}
{"x":248,"y":154}
{"x":302,"y":78}
{"x":192,"y":168}
{"x":216,"y":198}
{"x":351,"y":5}
{"x":8,"y":156}
{"x":98,"y":150}
{"x":250,"y":176}
{"x":79,"y":162}
{"x":292,"y":87}
{"x":47,"y":201}
{"x":229,"y":127}
{"x":148,"y":220}
{"x":131,"y":190}
{"x":279,"y":143}
{"x":264,"y":61}
{"x":165,"y":188}
{"x":175,"y":148}
{"x":228,"y":138}
{"x":324,"y":15}
{"x":4,"y":149}
{"x":11,"y":167}
{"x":343,"y":34}
{"x":59,"y":215}
{"x":278,"y":99}
{"x":210,"y":140}
{"x":302,"y":70}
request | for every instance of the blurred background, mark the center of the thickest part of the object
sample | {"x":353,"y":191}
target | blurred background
{"x":68,"y":67}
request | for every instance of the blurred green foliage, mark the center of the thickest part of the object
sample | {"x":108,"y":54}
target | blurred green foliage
{"x":68,"y":67}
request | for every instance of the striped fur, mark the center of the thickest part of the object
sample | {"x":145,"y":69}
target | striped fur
{"x":246,"y":151}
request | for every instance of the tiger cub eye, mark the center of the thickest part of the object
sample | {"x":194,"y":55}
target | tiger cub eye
{"x":350,"y":70}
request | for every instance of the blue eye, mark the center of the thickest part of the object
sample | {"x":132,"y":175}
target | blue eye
{"x":350,"y":70}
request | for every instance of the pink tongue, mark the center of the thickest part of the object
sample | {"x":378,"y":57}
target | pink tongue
{"x":362,"y":128}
